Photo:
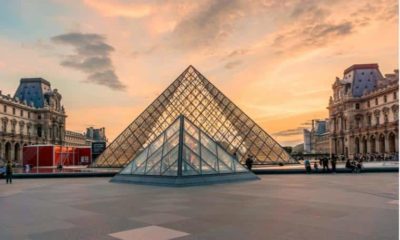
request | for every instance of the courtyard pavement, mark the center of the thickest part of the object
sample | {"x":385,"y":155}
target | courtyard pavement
{"x":332,"y":206}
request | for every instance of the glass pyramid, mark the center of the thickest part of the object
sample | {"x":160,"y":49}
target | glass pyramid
{"x":192,"y":95}
{"x":183,"y":155}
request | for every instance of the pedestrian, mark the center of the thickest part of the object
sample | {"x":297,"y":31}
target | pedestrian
{"x":316,"y":167}
{"x":325,"y":163}
{"x":9,"y":172}
{"x":249,"y":162}
{"x":307,"y":165}
{"x":333,"y":163}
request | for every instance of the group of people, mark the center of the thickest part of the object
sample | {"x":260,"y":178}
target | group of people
{"x":354,"y":165}
{"x":371,"y":157}
{"x":324,"y":162}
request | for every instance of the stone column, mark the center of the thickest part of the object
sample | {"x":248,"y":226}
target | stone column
{"x":361,"y":141}
{"x":387,"y":143}
{"x":377,"y":147}
{"x":21,"y":152}
{"x":12,"y":152}
{"x":2,"y":150}
{"x":369,"y":147}
{"x":351,"y":145}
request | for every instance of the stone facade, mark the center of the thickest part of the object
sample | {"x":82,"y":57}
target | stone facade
{"x":33,"y":116}
{"x":75,"y":139}
{"x":363,"y":112}
{"x":85,"y":139}
{"x":316,"y":139}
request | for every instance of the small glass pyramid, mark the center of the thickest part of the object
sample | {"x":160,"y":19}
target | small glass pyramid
{"x":183,"y":155}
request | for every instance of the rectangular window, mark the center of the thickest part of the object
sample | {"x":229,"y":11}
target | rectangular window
{"x":368,"y":103}
{"x":29,"y":114}
{"x":395,"y":95}
{"x":5,"y":108}
{"x":13,"y":111}
{"x":376,"y":101}
{"x":22,"y":113}
{"x":384,"y":98}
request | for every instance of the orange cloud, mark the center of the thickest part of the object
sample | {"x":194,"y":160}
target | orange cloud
{"x":112,"y":8}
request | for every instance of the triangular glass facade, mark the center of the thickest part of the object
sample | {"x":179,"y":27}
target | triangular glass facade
{"x":183,"y":155}
{"x":183,"y":150}
{"x":193,"y":96}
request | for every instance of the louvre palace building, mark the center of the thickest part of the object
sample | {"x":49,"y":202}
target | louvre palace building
{"x":363,"y":112}
{"x":34,"y":115}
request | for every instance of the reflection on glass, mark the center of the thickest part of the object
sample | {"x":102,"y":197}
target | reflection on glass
{"x":208,"y":142}
{"x":153,"y":160}
{"x":191,"y":143}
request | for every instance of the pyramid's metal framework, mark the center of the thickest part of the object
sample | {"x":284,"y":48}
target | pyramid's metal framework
{"x":193,"y":96}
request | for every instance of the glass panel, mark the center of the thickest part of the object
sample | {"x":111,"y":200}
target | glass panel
{"x":191,"y":129}
{"x":225,"y":158}
{"x":155,"y":170}
{"x":223,"y":168}
{"x":172,"y":170}
{"x":187,"y":169}
{"x":171,"y":143}
{"x":239,"y":167}
{"x":211,"y":161}
{"x":138,"y":164}
{"x":168,"y":160}
{"x":192,"y":143}
{"x":127,"y":169}
{"x":154,"y":159}
{"x":156,"y":144}
{"x":209,"y":143}
{"x":191,"y":158}
{"x":173,"y":129}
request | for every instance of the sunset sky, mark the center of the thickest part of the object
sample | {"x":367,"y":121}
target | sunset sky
{"x":276,"y":59}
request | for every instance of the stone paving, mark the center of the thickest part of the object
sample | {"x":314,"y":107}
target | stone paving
{"x":334,"y":206}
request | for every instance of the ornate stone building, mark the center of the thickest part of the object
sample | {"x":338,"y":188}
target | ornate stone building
{"x":316,"y":139}
{"x":363,"y":112}
{"x":33,"y":116}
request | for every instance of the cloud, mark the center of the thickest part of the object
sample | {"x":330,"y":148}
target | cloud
{"x":212,"y":22}
{"x":92,"y":56}
{"x":289,"y":132}
{"x":233,"y":64}
{"x":209,"y":24}
{"x":112,"y":8}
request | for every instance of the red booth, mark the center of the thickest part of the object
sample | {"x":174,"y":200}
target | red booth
{"x":54,"y":155}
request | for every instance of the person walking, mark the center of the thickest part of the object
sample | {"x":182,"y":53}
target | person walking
{"x":9,"y":172}
{"x":249,"y":162}
{"x":333,"y":163}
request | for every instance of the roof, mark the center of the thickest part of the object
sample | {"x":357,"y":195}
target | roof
{"x":361,"y":66}
{"x":37,"y":79}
